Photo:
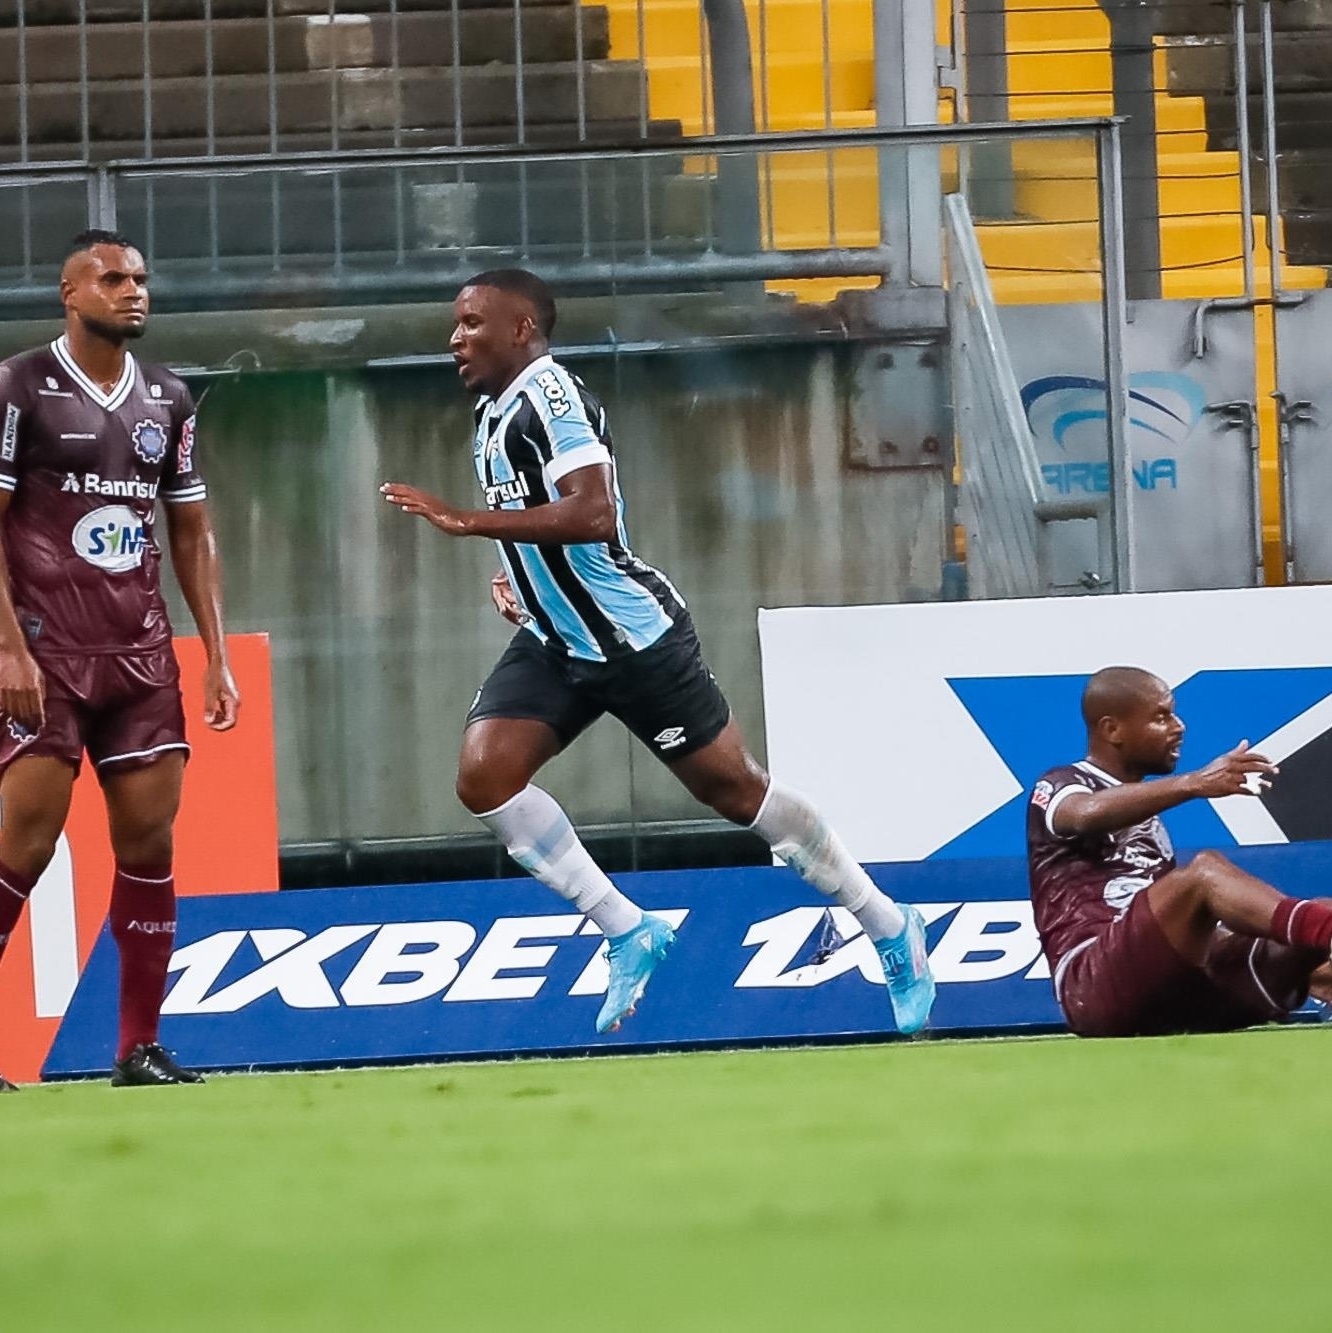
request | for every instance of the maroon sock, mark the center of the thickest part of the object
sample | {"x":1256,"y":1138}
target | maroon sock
{"x":143,"y":924}
{"x":14,"y":891}
{"x":1303,"y":923}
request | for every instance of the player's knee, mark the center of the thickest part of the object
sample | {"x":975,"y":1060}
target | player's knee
{"x":1207,"y":867}
{"x":734,"y":796}
{"x":30,"y":851}
{"x":148,"y":844}
{"x":30,"y":838}
{"x":481,"y":791}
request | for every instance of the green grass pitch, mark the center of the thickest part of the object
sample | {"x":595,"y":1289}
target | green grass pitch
{"x":1173,"y":1184}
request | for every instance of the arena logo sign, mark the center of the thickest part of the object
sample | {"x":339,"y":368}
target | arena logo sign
{"x":1067,"y":416}
{"x":402,"y":963}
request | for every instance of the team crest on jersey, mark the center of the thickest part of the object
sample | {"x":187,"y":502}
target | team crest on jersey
{"x":150,"y":441}
{"x":185,"y":454}
{"x":19,"y":732}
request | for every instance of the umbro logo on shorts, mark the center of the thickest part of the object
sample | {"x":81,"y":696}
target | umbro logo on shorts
{"x":669,"y":738}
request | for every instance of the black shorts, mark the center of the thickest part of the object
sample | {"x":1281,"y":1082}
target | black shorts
{"x":664,"y":694}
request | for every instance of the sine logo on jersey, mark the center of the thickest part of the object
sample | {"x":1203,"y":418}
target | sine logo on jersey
{"x":112,"y":538}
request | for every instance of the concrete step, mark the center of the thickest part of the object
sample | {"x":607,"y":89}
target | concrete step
{"x":671,"y":28}
{"x":1189,"y":17}
{"x":1305,"y":190}
{"x":360,"y":99}
{"x":38,"y":13}
{"x":1302,"y":62}
{"x":1304,"y":120}
{"x":1173,"y":114}
{"x":241,"y":46}
{"x":1308,"y":236}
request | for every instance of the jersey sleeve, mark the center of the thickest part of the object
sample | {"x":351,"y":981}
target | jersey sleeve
{"x":13,"y":424}
{"x":572,"y":439}
{"x":181,"y":479}
{"x":1052,"y":790}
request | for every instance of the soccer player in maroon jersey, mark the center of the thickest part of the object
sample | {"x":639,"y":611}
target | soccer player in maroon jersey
{"x":1139,"y":945}
{"x":89,"y":440}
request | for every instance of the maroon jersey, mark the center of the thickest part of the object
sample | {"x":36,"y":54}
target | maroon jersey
{"x":85,"y":469}
{"x":1081,"y":884}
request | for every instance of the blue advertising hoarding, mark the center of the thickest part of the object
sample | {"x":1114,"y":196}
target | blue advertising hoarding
{"x":426,"y":972}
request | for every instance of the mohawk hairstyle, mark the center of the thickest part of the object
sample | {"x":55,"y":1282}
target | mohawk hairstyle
{"x":527,"y":285}
{"x":85,"y":240}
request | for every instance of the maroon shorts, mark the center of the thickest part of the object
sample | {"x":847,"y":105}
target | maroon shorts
{"x":1130,"y":982}
{"x":124,"y":710}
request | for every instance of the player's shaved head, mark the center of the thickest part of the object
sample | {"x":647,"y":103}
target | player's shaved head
{"x":519,"y":282}
{"x":1116,"y":691}
{"x":86,"y":242}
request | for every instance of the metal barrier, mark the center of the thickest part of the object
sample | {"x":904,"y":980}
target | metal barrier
{"x":387,"y":225}
{"x":1002,"y":493}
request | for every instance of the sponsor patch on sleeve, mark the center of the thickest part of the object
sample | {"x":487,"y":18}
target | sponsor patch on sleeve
{"x":9,"y":439}
{"x":1041,"y":793}
{"x":185,"y":454}
{"x":557,"y":400}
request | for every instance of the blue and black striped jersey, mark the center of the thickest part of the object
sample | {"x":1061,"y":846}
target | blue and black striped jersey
{"x":592,"y":600}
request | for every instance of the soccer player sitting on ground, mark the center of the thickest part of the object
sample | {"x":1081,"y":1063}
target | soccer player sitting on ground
{"x":91,"y":439}
{"x":1137,"y":944}
{"x":602,"y":632}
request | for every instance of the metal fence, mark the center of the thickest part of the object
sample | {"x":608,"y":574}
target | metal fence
{"x":388,"y":225}
{"x":1002,"y":498}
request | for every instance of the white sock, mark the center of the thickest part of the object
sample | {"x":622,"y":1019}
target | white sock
{"x":538,"y":835}
{"x":798,"y":834}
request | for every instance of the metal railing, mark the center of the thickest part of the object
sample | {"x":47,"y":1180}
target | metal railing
{"x":387,"y":225}
{"x":1002,"y":499}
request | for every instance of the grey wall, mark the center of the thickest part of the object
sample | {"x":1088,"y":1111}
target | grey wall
{"x":737,"y":480}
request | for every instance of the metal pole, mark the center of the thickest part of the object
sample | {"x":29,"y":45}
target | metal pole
{"x":1114,"y":316}
{"x":733,"y":109}
{"x":910,"y":185}
{"x":1269,"y":149}
{"x":22,"y":39}
{"x":986,"y":65}
{"x":1132,"y":58}
{"x":1245,"y":148}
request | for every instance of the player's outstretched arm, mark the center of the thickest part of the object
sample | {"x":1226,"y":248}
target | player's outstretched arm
{"x":1132,"y":802}
{"x":22,"y":685}
{"x":199,"y":573}
{"x":585,"y":512}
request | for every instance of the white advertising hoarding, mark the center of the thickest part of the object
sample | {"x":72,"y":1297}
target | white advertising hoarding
{"x":916,"y":728}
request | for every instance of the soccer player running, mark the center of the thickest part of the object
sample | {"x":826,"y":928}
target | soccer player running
{"x":602,"y":632}
{"x":1137,"y":944}
{"x":89,"y":440}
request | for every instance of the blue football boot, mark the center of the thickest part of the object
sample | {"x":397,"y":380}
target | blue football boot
{"x":906,"y":969}
{"x":633,"y":957}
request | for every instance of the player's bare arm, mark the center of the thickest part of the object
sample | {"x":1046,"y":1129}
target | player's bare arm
{"x":585,"y":512}
{"x":1132,"y":802}
{"x":199,"y":573}
{"x":22,"y":685}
